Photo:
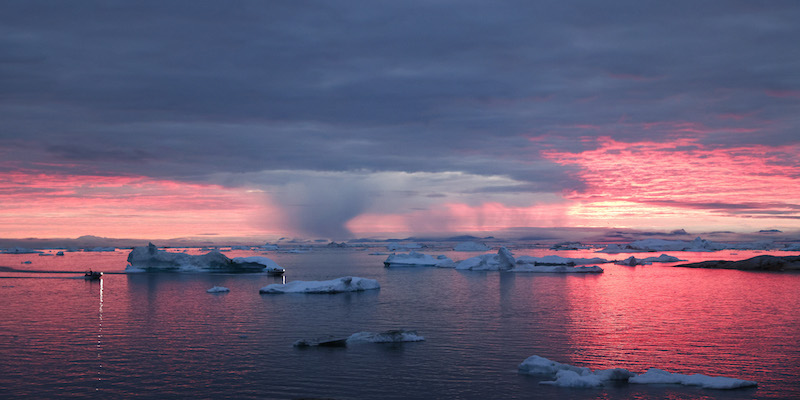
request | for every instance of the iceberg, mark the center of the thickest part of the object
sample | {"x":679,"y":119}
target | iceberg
{"x":655,"y":375}
{"x":218,"y":289}
{"x":150,"y":258}
{"x":390,"y":336}
{"x":345,"y":284}
{"x":558,"y":260}
{"x":267,"y":264}
{"x":414,"y":259}
{"x":503,"y":260}
{"x":632,"y":262}
{"x":566,"y":375}
{"x":471,"y":246}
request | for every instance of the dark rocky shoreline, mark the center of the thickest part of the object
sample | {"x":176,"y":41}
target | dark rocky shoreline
{"x":759,"y":263}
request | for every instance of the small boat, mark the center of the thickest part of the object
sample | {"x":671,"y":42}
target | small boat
{"x":92,"y":275}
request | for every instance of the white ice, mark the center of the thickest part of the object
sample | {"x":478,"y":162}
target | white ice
{"x":655,"y":375}
{"x":566,"y":375}
{"x":563,"y":269}
{"x":345,"y":284}
{"x":503,"y":260}
{"x":393,"y":336}
{"x":218,"y":289}
{"x":471,"y":246}
{"x":414,"y":259}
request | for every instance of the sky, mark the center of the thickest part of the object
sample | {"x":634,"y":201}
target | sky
{"x":338,"y":120}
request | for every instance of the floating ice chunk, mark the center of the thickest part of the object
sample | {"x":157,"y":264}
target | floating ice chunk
{"x":558,"y":260}
{"x":414,"y":259}
{"x":240,"y":247}
{"x":664,"y":258}
{"x":269,"y":266}
{"x":655,"y":375}
{"x":471,"y":246}
{"x":570,"y":246}
{"x":100,"y":249}
{"x":391,"y":336}
{"x":218,"y":289}
{"x":150,"y":258}
{"x":60,"y":253}
{"x":268,"y":247}
{"x":632,"y":262}
{"x":566,"y":378}
{"x":503,"y":260}
{"x":345,"y":284}
{"x":562,"y":269}
{"x":536,"y":365}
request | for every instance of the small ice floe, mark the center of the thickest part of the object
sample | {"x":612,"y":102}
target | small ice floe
{"x":390,"y":336}
{"x":565,"y":375}
{"x":26,"y":262}
{"x":655,"y":375}
{"x":698,"y":244}
{"x":632,"y":262}
{"x":345,"y":284}
{"x":471,"y":246}
{"x":218,"y":289}
{"x":414,"y":259}
{"x":99,"y":249}
{"x":561,"y":269}
{"x":60,"y":253}
{"x":558,"y":260}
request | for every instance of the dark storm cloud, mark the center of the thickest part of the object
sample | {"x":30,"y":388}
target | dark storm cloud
{"x":185,"y":89}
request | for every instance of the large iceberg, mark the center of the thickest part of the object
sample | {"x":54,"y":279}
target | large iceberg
{"x":346,"y":284}
{"x":504,"y":261}
{"x":566,"y":375}
{"x":150,"y":258}
{"x":471,"y":246}
{"x":697,"y":244}
{"x":414,"y":259}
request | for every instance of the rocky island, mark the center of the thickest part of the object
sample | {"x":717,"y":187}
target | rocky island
{"x":759,"y":263}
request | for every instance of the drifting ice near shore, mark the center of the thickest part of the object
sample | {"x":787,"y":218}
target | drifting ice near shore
{"x":580,"y":377}
{"x":346,"y":284}
{"x":504,"y":261}
{"x":414,"y":259}
{"x":150,"y":258}
{"x":218,"y":289}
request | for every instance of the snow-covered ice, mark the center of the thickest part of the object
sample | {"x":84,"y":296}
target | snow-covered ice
{"x":218,"y":289}
{"x":471,"y":246}
{"x":345,"y":284}
{"x":503,"y":260}
{"x":566,"y":375}
{"x":655,"y":375}
{"x":150,"y":258}
{"x":414,"y":259}
{"x":390,"y":336}
{"x":633,"y":261}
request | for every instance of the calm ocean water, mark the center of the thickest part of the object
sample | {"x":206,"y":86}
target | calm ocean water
{"x":162,"y":336}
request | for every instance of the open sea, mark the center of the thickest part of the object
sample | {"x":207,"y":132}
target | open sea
{"x":160,"y":335}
